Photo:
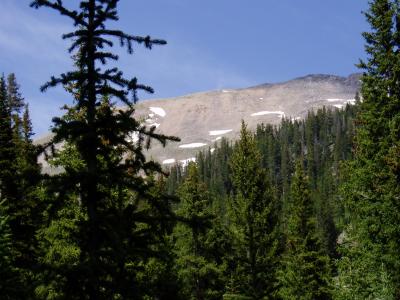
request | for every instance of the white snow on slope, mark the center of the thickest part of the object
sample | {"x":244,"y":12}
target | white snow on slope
{"x":169,"y":161}
{"x":266,"y":112}
{"x":212,"y":150}
{"x":350,"y":101}
{"x":155,"y":124}
{"x":219,"y":132}
{"x":261,"y":98}
{"x":217,"y":139}
{"x":339,"y":105}
{"x":193,"y":145}
{"x":158,"y":111}
{"x":185,"y":162}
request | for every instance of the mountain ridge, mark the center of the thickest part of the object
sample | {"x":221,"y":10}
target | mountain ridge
{"x":201,"y":119}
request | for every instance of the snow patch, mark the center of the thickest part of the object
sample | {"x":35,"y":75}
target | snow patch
{"x":217,"y":139}
{"x":219,"y":132}
{"x":261,"y":98}
{"x":225,"y":91}
{"x":169,"y":161}
{"x":339,"y":106}
{"x":295,"y":119}
{"x":266,"y":112}
{"x":155,"y":124}
{"x":348,"y":101}
{"x":185,"y":162}
{"x":351,"y":101}
{"x":158,"y":111}
{"x":212,"y":150}
{"x":193,"y":145}
{"x":151,"y":115}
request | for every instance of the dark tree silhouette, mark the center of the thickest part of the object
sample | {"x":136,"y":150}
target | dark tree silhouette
{"x":110,"y":143}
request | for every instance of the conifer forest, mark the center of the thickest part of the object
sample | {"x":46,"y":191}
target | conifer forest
{"x":307,"y":209}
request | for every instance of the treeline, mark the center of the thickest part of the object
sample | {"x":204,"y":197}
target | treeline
{"x":273,"y":197}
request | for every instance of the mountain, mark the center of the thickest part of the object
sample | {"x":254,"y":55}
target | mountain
{"x":201,"y":119}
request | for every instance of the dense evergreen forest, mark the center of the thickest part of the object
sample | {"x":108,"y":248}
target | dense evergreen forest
{"x":308,"y":209}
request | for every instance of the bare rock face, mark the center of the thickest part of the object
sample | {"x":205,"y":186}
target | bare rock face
{"x":201,"y":119}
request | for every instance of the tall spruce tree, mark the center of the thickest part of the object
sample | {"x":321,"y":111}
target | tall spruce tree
{"x":197,"y":268}
{"x":7,"y":147}
{"x":16,"y":103}
{"x":253,"y":216}
{"x":370,"y":267}
{"x":14,"y":95}
{"x":121,"y":217}
{"x":305,"y":269}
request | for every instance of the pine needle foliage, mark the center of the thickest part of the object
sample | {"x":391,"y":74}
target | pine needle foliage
{"x":305,"y":272}
{"x":122,"y":217}
{"x":254,"y":221}
{"x":197,"y":267}
{"x":372,"y":191}
{"x":7,"y":149}
{"x":9,"y":281}
{"x":19,"y":174}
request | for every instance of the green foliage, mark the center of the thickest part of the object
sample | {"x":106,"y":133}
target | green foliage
{"x":305,"y":271}
{"x":19,"y":176}
{"x":198,"y":268}
{"x":103,"y":227}
{"x":253,"y":219}
{"x":373,"y":187}
{"x":107,"y":175}
{"x":9,"y":282}
{"x":355,"y":279}
{"x":7,"y":149}
{"x":235,"y":297}
{"x":280,"y":147}
{"x":59,"y":253}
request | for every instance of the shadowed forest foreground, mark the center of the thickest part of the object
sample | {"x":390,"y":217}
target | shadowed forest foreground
{"x":308,"y":209}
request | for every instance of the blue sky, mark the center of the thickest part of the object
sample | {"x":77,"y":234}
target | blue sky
{"x":212,"y":44}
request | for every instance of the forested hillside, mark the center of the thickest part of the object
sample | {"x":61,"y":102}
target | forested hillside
{"x":319,"y":146}
{"x":306,"y":209}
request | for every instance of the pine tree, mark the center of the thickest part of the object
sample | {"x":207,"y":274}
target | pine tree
{"x":7,"y":147}
{"x":27,"y":130}
{"x":122,"y":218}
{"x":14,"y":96}
{"x":9,"y":283}
{"x":373,"y":188}
{"x":198,"y":271}
{"x":253,"y":217}
{"x":16,"y":103}
{"x":305,"y":271}
{"x":156,"y":278}
{"x":12,"y":254}
{"x":19,"y":176}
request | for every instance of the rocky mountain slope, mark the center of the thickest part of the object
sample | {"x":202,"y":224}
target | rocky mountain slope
{"x":201,"y":119}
